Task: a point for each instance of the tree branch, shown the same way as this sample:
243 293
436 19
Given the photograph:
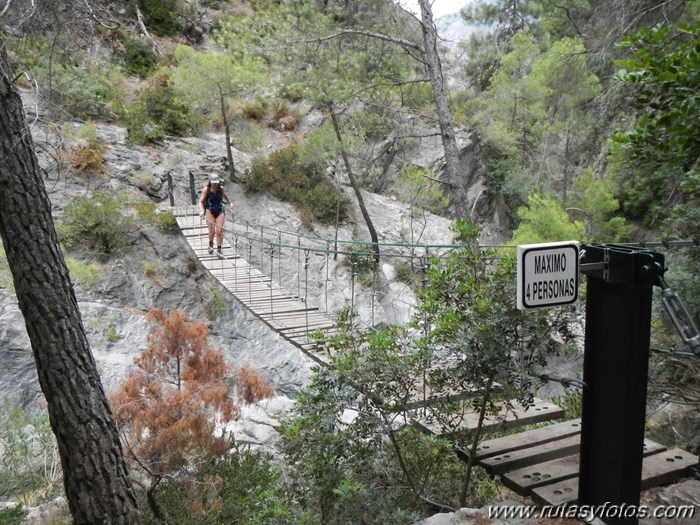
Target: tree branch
406 44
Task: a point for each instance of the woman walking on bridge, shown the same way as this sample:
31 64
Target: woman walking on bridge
211 207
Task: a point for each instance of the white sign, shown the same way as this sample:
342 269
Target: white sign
547 274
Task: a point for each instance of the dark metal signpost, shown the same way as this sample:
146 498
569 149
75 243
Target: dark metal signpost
615 363
615 368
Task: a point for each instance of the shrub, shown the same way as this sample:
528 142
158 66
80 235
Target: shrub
83 274
415 186
253 111
301 182
240 487
139 126
217 305
571 402
405 273
89 154
139 58
79 93
166 222
13 515
283 117
96 222
111 334
374 126
160 16
146 211
166 107
30 467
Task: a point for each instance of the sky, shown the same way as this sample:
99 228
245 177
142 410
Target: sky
440 7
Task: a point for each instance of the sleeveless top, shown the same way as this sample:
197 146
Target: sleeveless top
214 201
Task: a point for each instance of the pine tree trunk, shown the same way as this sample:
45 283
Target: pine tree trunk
96 479
447 130
356 188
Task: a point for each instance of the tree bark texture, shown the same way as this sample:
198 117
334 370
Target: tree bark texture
355 187
444 115
96 480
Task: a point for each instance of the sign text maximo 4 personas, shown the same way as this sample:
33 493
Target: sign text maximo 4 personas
547 274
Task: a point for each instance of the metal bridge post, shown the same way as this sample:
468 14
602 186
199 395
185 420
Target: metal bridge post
615 368
171 191
193 191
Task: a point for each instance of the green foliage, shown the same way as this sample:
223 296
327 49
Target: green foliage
141 129
417 187
86 275
217 305
146 211
163 220
242 487
79 93
209 80
159 110
30 468
664 70
111 334
373 124
166 223
361 261
13 515
167 106
342 464
595 198
571 401
160 16
139 57
406 273
511 115
660 154
96 222
343 441
544 220
298 180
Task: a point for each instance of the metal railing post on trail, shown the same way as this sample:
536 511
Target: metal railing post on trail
298 267
272 266
353 273
279 259
306 287
171 190
615 370
250 267
193 190
262 252
328 250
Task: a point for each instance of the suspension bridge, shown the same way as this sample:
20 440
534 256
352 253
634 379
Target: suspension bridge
541 464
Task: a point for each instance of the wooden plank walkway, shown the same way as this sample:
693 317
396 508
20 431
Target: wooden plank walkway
285 314
506 418
543 464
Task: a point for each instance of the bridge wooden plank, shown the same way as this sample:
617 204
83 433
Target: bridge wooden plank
524 479
506 418
300 318
522 440
305 328
529 456
657 469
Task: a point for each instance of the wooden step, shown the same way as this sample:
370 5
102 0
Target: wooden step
507 418
538 436
524 479
657 469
